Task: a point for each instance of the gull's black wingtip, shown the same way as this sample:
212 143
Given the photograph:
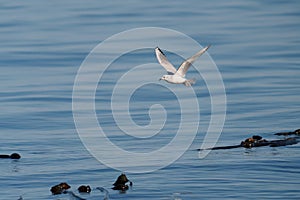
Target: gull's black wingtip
157 48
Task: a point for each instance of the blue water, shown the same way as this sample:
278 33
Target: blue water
255 45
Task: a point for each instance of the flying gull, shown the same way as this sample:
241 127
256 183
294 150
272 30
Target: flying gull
177 76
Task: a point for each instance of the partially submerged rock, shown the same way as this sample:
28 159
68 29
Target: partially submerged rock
122 179
254 141
121 187
60 188
84 189
120 183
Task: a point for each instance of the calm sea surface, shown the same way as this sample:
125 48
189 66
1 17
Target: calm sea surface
255 44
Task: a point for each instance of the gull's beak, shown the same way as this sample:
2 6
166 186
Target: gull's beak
159 79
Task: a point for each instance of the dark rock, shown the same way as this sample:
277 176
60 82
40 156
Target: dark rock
15 156
256 137
84 189
121 180
60 188
120 183
254 141
121 187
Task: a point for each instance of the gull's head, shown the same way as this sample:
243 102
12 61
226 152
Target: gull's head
163 78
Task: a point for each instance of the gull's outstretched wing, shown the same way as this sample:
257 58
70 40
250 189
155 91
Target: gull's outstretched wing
187 63
162 59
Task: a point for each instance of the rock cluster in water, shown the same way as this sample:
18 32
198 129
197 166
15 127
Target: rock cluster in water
119 184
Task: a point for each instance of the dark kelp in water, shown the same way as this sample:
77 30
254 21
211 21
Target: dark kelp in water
258 141
296 132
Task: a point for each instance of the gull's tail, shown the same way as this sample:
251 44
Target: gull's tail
189 82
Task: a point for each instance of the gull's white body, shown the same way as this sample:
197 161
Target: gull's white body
174 79
177 76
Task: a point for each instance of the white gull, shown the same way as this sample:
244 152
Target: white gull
177 76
